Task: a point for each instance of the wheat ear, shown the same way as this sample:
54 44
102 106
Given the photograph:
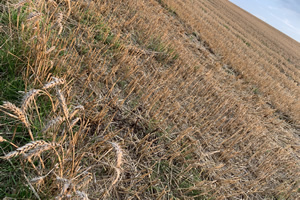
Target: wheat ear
73 122
50 50
37 150
18 113
76 110
63 104
30 148
33 16
28 98
55 82
53 123
119 153
21 3
58 23
117 167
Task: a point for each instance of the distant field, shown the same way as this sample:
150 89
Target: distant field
154 99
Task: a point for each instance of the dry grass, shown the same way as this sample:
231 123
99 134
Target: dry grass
152 102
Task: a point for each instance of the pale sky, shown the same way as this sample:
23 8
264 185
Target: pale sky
284 15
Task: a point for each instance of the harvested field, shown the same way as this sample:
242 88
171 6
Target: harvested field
156 99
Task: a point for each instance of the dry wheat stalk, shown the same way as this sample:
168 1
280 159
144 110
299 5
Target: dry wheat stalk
74 122
117 167
18 5
53 123
60 29
82 195
28 98
119 153
55 82
33 16
52 3
33 147
38 180
76 109
85 180
18 113
58 23
63 104
37 150
69 5
4 140
50 50
67 187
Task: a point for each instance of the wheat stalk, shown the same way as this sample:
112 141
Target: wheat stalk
53 123
28 98
58 23
76 110
4 140
33 16
18 5
55 82
84 180
74 122
52 3
63 104
37 150
82 195
117 167
34 146
119 153
18 113
50 50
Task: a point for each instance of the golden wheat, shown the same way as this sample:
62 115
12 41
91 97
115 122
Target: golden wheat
28 98
117 167
191 126
30 149
50 50
63 104
55 82
52 124
33 17
19 4
75 111
18 113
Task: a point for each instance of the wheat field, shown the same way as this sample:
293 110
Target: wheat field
150 99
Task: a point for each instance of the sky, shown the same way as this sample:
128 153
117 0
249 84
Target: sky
283 15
